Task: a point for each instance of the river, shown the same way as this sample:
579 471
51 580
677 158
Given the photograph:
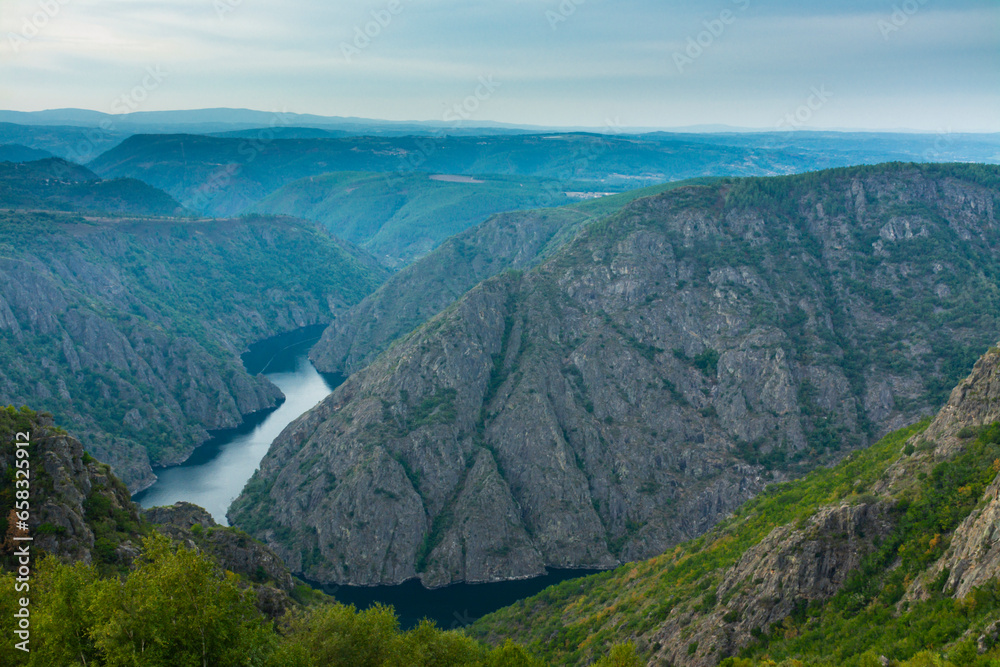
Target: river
451 607
218 470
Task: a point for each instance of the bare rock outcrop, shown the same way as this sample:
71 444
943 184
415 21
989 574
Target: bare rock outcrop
655 373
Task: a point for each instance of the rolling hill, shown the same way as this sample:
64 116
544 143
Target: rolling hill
223 176
53 184
18 153
401 217
77 144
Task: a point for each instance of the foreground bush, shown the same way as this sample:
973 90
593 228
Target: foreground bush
176 608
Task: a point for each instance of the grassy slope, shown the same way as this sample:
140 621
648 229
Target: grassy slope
878 611
400 217
567 622
868 616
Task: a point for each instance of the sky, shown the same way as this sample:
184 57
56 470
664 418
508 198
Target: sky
929 65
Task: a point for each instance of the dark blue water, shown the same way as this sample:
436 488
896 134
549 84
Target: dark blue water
217 471
451 607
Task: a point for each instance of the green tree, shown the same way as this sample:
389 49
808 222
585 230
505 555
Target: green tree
8 606
338 635
177 609
62 625
427 646
926 659
622 655
511 655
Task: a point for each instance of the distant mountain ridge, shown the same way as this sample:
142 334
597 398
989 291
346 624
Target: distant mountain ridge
257 118
18 153
227 119
223 176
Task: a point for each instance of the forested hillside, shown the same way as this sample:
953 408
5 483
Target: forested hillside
515 240
224 176
56 185
130 330
19 153
401 217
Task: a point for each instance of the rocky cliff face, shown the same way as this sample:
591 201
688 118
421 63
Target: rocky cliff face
415 294
81 512
810 563
791 566
70 491
654 374
518 240
232 549
719 595
130 331
973 556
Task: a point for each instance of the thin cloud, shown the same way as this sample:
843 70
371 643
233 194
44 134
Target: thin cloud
596 59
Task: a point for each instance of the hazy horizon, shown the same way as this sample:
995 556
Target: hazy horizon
709 128
899 65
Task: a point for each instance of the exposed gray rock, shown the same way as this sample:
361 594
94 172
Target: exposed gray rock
973 557
654 374
65 485
791 566
517 240
232 549
81 512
